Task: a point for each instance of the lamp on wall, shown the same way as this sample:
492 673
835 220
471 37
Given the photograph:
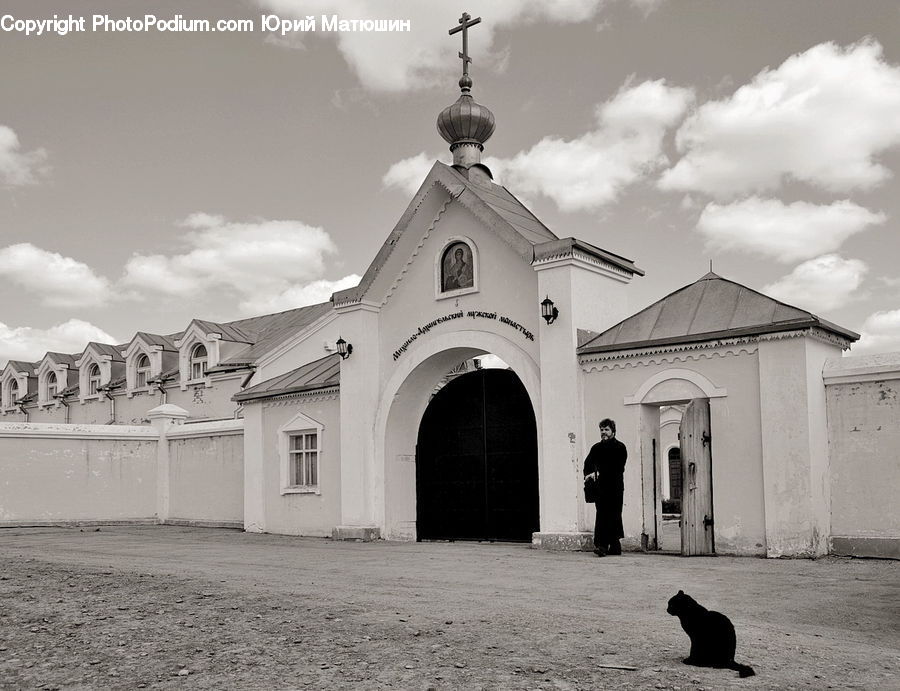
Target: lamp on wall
549 311
343 348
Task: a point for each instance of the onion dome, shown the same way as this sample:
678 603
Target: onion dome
466 122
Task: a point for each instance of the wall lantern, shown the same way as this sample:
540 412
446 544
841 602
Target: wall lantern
549 311
343 348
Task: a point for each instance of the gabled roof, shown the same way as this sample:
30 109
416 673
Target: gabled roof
114 352
22 366
709 309
165 342
319 374
228 331
493 204
272 329
60 358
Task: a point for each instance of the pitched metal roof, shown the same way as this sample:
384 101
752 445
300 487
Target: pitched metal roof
166 342
113 351
22 366
319 374
228 330
272 329
708 309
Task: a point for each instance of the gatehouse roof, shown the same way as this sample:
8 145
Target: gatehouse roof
711 308
318 374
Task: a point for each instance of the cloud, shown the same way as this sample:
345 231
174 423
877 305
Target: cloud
879 333
821 117
425 56
18 167
821 284
785 232
260 263
592 170
298 295
407 175
29 344
59 281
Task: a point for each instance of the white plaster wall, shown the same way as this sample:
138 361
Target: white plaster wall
206 402
864 440
738 500
302 514
206 478
54 478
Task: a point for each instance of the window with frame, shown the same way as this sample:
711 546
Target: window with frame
303 459
142 372
12 393
52 386
199 360
94 380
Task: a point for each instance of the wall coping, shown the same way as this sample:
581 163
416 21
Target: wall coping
861 368
216 428
58 430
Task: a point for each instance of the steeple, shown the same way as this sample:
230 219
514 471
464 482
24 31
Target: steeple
466 125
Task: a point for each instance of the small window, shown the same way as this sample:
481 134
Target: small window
142 372
12 393
303 461
52 386
94 380
457 270
199 358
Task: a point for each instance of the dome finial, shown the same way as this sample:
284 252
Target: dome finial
466 125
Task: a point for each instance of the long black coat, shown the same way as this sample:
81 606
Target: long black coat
607 458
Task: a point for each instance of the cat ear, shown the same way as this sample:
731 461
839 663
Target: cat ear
681 592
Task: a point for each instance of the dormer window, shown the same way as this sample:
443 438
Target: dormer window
142 372
199 360
12 393
52 386
94 380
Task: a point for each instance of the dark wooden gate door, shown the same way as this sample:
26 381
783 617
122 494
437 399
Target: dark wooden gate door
476 461
696 498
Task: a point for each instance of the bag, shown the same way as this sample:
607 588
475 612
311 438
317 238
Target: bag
591 490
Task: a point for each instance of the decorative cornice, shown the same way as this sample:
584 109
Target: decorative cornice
572 256
329 394
441 211
599 362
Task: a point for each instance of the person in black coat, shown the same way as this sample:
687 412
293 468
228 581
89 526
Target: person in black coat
605 465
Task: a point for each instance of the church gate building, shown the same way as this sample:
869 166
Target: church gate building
454 393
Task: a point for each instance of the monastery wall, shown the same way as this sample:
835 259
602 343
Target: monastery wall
54 473
863 404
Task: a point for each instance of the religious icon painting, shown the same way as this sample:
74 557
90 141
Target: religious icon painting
456 267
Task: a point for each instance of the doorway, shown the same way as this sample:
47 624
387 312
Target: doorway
476 461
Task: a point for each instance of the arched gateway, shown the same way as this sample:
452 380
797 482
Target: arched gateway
476 461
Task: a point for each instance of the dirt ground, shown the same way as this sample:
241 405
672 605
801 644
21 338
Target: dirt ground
169 607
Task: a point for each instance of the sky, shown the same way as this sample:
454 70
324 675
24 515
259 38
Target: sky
151 177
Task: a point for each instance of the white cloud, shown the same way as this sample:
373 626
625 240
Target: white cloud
407 175
29 344
786 232
18 167
822 117
425 56
59 281
820 284
298 296
880 333
592 170
260 263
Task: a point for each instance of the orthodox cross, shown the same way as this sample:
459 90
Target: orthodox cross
464 23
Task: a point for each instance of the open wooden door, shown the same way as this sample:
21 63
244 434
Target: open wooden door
696 460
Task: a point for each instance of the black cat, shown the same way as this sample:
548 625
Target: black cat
711 633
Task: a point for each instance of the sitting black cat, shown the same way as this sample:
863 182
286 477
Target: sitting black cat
711 633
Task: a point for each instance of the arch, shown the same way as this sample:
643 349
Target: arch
404 400
198 362
93 379
691 377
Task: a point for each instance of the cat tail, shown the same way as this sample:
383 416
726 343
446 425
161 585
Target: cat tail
742 670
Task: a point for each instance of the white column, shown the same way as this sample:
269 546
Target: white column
254 469
360 380
162 418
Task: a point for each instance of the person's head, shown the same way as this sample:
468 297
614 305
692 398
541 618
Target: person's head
607 429
459 254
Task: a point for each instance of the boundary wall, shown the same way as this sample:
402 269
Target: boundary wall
166 472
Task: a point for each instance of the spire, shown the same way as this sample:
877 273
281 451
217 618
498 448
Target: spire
466 125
